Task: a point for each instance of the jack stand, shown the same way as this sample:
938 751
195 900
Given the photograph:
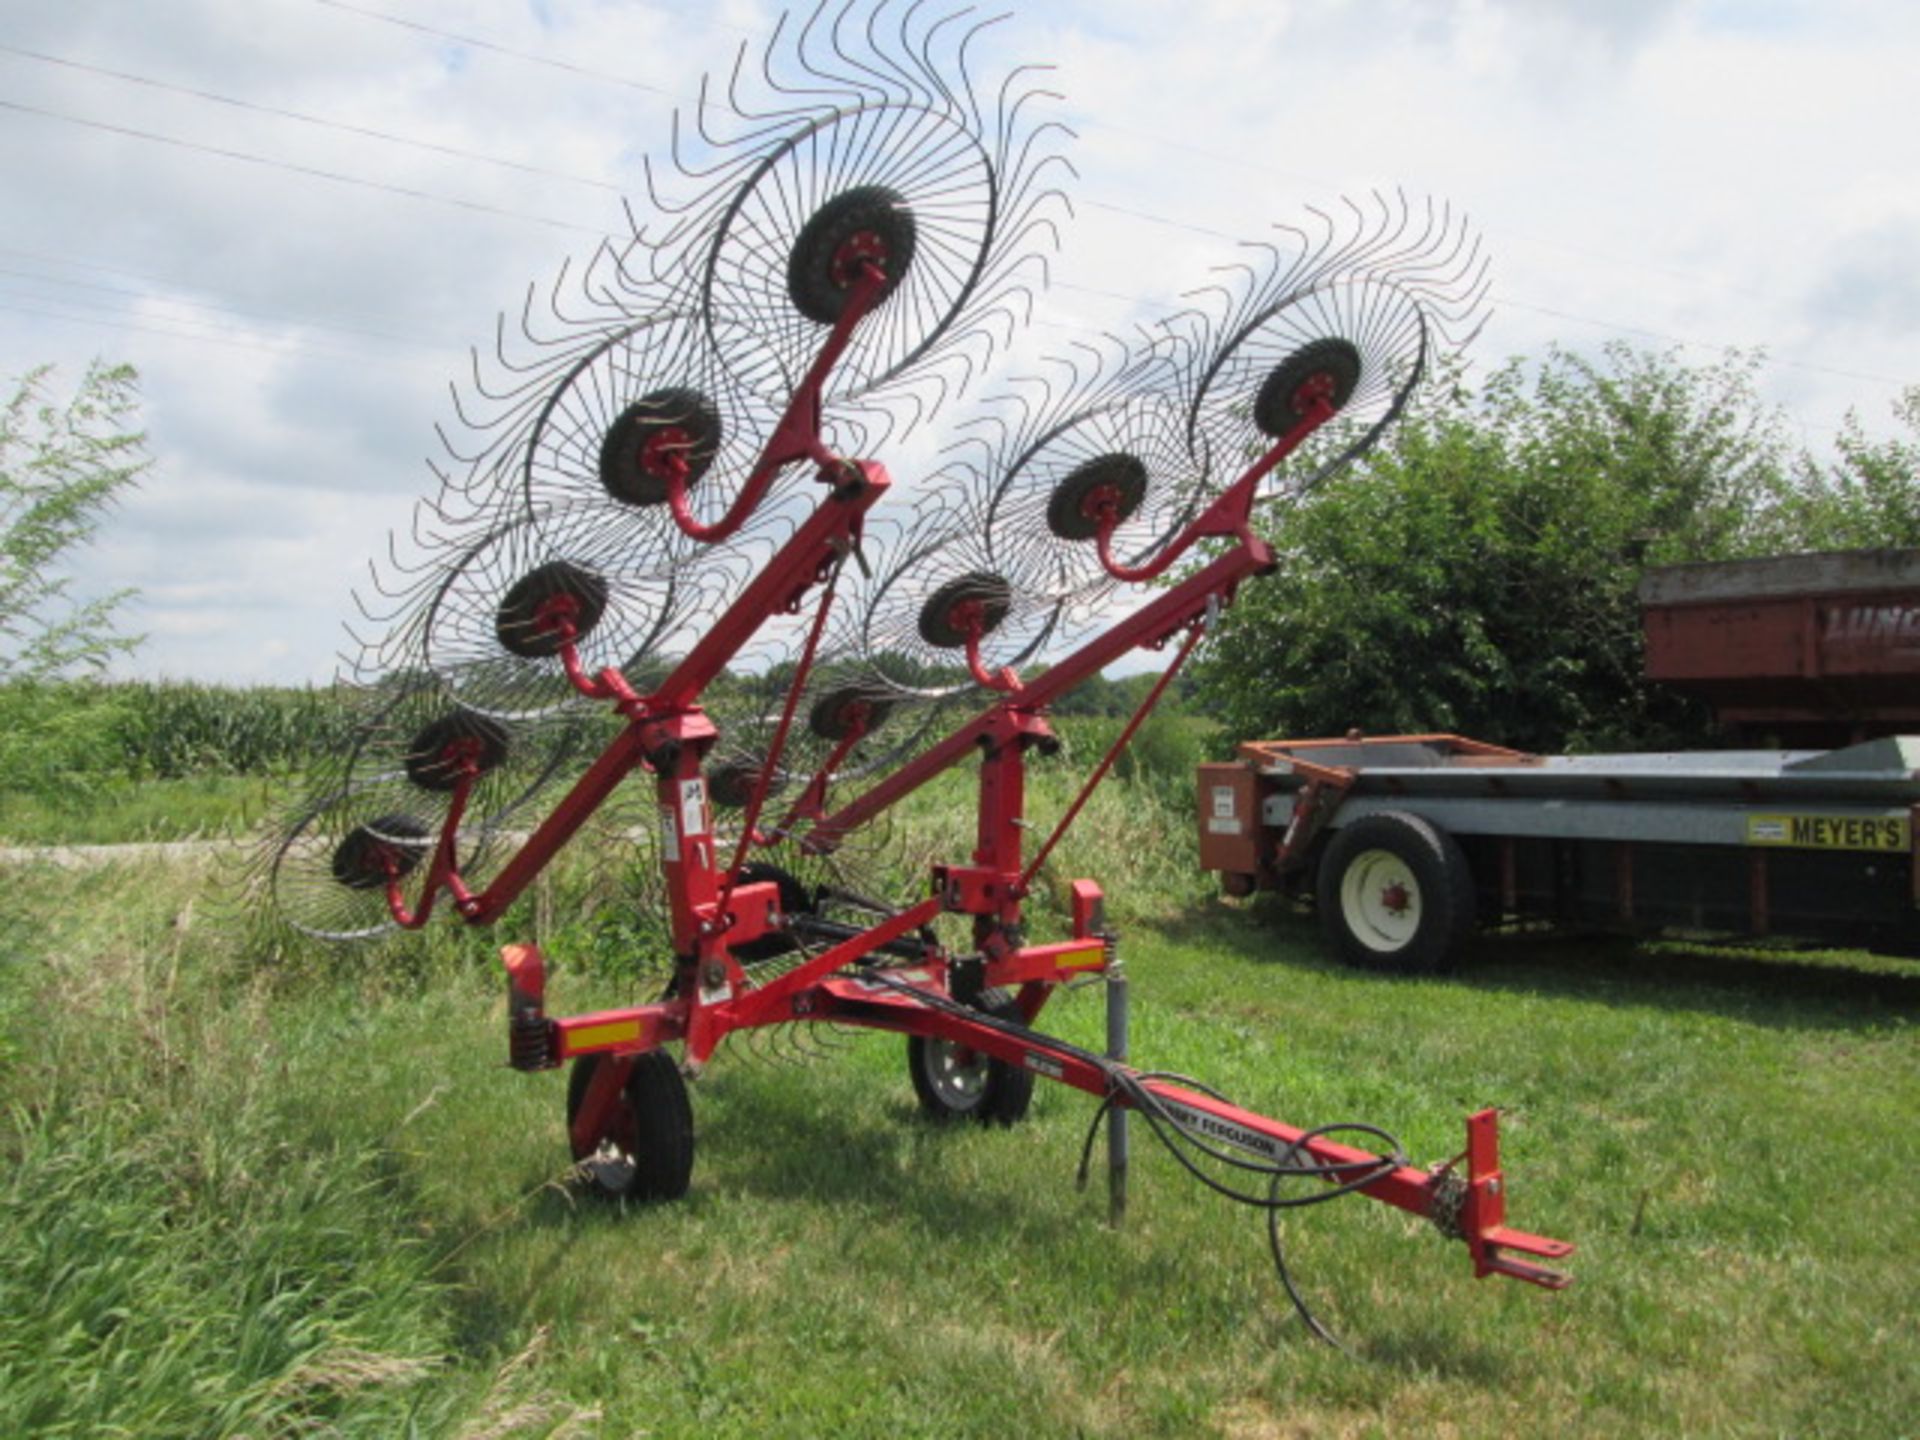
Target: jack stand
1116 1117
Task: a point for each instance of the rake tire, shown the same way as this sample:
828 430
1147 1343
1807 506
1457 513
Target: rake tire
953 1084
647 1152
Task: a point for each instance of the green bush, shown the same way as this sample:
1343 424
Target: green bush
1478 572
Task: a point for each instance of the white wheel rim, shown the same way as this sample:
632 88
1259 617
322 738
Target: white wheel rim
611 1168
1380 901
957 1074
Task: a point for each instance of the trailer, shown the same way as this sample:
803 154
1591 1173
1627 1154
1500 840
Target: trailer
1406 843
1813 650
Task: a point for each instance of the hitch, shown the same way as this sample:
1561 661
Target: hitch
1483 1212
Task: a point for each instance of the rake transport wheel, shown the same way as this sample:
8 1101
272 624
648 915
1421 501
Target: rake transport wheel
1394 893
647 1150
953 1082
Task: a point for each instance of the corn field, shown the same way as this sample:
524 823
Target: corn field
73 732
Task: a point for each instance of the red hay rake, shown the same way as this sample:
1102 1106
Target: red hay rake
649 513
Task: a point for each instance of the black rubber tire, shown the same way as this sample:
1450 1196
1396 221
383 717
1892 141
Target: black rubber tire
811 283
623 473
514 624
652 1128
1004 1096
1422 934
358 860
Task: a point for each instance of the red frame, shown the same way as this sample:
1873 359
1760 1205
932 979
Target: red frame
668 734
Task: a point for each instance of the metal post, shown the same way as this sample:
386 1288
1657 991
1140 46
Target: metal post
1116 1117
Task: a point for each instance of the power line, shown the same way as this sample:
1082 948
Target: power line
490 46
291 167
344 127
1500 302
1510 304
1080 120
1240 161
201 337
171 283
484 208
120 291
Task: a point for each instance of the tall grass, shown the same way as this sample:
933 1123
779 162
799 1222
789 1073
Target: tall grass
287 1192
267 1187
191 1251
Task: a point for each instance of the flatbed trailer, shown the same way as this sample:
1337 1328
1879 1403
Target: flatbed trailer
1407 842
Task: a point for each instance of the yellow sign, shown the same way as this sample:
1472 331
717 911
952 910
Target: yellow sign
1830 832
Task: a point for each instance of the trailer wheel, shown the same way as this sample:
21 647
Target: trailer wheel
955 1083
1394 893
647 1150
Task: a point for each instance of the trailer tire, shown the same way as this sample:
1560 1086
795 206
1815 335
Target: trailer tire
952 1083
647 1152
1395 893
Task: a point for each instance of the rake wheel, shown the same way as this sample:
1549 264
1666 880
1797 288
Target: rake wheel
493 626
1368 336
454 747
542 606
1114 482
836 714
901 184
1333 366
383 849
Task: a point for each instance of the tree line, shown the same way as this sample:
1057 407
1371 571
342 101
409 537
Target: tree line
1477 571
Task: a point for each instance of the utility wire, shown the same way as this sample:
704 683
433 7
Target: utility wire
315 171
321 122
492 47
135 328
148 295
1240 161
194 287
1161 304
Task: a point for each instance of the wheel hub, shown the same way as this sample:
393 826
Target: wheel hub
1380 901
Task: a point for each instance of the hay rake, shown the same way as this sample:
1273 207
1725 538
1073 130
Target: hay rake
656 523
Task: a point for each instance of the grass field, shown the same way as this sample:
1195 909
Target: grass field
266 1190
118 810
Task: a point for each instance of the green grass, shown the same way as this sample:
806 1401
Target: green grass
293 1191
118 811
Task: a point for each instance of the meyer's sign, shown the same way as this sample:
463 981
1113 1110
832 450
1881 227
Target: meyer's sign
1830 832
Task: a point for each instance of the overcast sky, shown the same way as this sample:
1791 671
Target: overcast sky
1740 173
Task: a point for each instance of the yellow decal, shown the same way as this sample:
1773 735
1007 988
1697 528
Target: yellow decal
608 1032
1830 832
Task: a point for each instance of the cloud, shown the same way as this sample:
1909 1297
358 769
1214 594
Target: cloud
1872 284
1716 172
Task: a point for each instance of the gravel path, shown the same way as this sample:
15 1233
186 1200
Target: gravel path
81 857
